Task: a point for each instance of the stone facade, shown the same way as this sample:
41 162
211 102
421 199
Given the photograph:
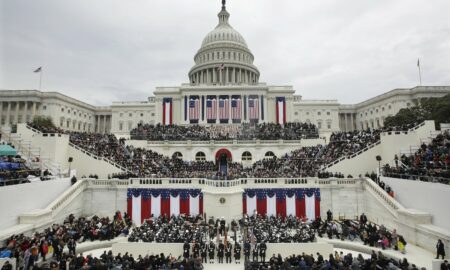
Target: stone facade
223 88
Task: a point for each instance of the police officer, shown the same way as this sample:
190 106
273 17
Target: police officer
247 248
262 251
220 252
237 253
186 248
211 251
228 251
203 252
255 253
196 250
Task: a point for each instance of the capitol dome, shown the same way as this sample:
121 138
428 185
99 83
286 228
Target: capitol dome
224 33
223 57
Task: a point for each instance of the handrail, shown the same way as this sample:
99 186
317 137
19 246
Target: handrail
243 182
28 151
382 194
233 141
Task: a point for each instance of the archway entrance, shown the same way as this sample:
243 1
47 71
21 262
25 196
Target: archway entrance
223 157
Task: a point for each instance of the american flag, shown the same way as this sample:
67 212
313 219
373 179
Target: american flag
223 108
211 109
236 108
253 108
194 109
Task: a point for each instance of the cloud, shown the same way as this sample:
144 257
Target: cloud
110 50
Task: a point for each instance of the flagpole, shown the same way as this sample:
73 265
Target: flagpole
420 73
40 80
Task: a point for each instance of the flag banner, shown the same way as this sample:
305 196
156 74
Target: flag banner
211 108
298 202
39 69
236 108
253 108
145 203
136 212
224 110
281 110
194 109
167 111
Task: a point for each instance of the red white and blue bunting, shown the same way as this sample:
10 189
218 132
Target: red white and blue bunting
298 202
143 203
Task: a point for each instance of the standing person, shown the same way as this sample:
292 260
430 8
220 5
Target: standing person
72 245
204 252
329 215
262 251
220 252
247 248
255 253
211 251
196 250
44 249
186 248
237 253
440 249
228 250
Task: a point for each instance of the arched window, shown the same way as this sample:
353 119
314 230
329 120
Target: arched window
246 156
177 155
200 156
269 155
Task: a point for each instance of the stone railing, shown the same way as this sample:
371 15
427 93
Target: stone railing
67 196
46 134
31 153
228 142
241 182
381 194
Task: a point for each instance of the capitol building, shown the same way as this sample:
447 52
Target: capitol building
342 186
223 88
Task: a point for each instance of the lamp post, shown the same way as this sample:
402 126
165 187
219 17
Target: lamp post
379 165
70 164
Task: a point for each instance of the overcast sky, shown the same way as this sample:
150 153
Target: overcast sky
101 51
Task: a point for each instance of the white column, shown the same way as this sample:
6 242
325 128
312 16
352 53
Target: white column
227 75
33 113
25 112
345 121
266 109
16 114
8 113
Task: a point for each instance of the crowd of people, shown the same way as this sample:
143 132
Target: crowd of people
278 230
27 250
302 162
14 170
174 229
264 131
334 261
368 233
430 163
126 261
